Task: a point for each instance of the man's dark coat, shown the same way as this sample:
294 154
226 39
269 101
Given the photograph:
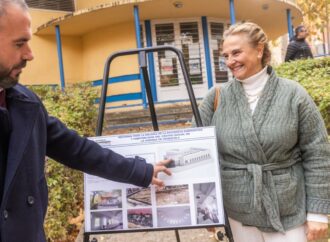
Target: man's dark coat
36 135
298 49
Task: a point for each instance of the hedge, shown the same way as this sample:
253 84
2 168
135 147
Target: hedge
76 108
314 76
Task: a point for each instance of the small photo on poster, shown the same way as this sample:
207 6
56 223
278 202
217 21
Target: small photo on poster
106 220
138 197
105 199
173 216
206 203
172 195
139 218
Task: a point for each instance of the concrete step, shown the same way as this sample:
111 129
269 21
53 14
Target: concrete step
169 114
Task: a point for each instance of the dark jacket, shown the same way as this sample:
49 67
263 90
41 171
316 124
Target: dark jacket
35 135
298 49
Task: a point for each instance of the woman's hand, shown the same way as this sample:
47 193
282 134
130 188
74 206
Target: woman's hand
160 167
316 230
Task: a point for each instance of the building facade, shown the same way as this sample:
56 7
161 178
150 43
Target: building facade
72 40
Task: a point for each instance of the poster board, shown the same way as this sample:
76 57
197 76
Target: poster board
191 196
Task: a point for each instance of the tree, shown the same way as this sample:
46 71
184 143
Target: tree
315 14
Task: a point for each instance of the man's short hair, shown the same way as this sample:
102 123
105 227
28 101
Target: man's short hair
4 3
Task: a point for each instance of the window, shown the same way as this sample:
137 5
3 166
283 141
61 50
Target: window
219 65
191 50
185 36
167 62
62 5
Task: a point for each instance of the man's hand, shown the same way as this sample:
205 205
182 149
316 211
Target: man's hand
316 230
160 167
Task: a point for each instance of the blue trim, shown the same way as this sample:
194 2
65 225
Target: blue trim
289 21
117 79
207 52
59 54
232 12
151 62
122 97
139 45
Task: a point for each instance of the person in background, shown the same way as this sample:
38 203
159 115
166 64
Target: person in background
28 134
298 48
273 146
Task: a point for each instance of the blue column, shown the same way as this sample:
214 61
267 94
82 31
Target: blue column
139 45
232 12
207 52
288 15
59 54
151 62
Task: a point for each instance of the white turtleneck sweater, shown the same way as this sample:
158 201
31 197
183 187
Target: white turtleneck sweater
253 87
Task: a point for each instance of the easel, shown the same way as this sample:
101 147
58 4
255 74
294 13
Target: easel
142 55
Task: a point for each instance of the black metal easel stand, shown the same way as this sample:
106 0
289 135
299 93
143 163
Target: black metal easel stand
142 54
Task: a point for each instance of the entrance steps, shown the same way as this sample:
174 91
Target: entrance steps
167 114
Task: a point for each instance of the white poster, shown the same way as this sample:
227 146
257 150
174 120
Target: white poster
166 66
222 64
191 196
194 67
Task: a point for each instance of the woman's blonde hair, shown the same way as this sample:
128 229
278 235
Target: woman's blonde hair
256 36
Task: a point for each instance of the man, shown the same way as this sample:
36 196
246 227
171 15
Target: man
298 48
28 134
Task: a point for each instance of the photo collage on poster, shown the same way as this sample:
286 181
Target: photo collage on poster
190 197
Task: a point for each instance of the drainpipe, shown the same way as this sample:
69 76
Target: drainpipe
59 54
139 45
232 12
289 21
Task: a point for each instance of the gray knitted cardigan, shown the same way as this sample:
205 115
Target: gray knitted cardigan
275 164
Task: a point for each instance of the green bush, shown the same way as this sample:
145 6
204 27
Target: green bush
76 108
314 76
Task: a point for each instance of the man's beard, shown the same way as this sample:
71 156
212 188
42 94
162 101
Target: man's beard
6 81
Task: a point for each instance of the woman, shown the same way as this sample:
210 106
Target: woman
298 48
273 145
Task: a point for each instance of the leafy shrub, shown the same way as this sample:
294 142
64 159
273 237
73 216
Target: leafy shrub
76 108
314 75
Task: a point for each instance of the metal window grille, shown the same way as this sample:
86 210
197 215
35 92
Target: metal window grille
61 5
220 68
190 45
167 62
185 36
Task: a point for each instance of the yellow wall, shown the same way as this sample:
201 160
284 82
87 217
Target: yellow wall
83 56
44 69
98 45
